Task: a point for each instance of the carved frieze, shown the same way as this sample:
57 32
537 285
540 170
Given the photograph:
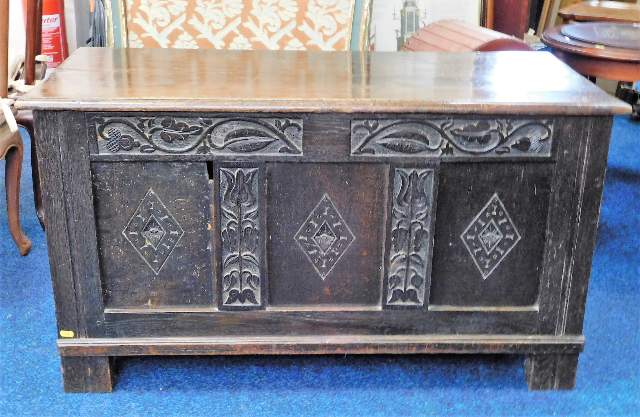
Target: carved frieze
198 135
452 137
241 235
411 237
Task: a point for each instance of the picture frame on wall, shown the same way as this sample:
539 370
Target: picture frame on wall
393 22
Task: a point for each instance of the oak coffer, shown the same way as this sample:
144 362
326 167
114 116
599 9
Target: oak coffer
224 203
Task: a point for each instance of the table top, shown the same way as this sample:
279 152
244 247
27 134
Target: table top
556 39
94 79
611 11
617 35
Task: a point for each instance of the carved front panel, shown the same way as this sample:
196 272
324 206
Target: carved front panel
176 135
241 237
490 233
327 237
451 137
411 234
154 233
325 234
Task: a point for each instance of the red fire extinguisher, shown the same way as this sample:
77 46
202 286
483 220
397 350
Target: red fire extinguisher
54 39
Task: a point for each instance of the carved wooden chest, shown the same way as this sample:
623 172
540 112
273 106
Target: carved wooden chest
307 203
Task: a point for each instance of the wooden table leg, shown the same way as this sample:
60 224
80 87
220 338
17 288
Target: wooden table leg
551 371
87 374
13 172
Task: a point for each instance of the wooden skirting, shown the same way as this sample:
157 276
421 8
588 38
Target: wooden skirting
311 345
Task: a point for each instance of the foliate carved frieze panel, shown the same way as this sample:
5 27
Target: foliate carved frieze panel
241 236
410 252
452 137
198 135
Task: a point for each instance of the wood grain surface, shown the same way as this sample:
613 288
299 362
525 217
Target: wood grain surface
159 79
306 345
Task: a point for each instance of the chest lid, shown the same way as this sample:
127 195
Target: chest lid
297 81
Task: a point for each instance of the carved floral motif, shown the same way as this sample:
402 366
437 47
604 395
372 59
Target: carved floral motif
240 234
411 237
196 135
452 137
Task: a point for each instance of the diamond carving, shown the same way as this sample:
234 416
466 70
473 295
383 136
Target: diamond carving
324 236
153 231
490 236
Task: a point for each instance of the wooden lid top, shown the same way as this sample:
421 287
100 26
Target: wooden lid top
209 80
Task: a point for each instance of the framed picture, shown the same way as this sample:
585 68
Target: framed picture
393 22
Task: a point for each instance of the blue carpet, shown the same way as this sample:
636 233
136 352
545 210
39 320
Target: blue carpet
608 376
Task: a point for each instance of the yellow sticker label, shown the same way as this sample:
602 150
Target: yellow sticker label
67 333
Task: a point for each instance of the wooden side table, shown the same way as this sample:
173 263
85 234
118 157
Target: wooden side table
593 54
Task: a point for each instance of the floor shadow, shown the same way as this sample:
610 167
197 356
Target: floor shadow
626 175
329 372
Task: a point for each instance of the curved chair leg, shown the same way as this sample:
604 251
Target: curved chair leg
13 170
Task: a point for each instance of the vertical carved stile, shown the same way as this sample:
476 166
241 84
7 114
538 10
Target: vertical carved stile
241 232
409 260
